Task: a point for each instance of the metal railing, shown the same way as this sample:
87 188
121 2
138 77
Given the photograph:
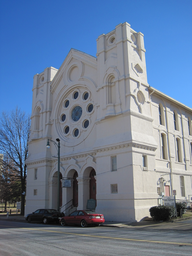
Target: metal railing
67 207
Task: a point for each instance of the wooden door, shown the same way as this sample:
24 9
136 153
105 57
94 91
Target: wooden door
167 190
92 185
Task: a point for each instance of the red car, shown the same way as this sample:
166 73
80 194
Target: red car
82 218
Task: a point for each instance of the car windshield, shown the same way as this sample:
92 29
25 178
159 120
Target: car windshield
51 210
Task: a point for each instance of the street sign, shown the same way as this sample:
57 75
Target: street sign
18 205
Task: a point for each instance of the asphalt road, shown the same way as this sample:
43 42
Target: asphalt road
20 238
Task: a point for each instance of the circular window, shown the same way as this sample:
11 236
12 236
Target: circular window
112 40
76 132
76 113
63 117
85 95
75 95
133 38
90 108
85 123
66 130
66 104
140 97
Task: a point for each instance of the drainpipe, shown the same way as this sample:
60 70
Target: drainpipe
170 162
183 142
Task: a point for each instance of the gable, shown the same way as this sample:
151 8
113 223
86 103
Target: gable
72 69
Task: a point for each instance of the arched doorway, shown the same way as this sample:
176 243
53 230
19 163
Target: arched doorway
92 187
75 189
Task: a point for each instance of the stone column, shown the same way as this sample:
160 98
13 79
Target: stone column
86 192
80 193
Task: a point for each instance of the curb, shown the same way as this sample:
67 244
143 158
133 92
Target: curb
141 224
145 223
13 218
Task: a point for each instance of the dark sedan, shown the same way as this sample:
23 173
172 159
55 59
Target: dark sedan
44 215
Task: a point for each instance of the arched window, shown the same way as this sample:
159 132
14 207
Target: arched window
182 185
176 124
111 91
178 150
190 126
163 146
161 115
37 119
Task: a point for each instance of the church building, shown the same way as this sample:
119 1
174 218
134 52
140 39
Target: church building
120 144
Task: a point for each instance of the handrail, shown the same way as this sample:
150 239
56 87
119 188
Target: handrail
67 206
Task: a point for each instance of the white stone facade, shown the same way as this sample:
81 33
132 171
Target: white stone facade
113 145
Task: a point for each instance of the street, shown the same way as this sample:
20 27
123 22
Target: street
21 238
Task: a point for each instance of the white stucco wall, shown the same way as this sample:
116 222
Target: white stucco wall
124 123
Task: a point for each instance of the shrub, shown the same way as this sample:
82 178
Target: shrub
161 212
180 208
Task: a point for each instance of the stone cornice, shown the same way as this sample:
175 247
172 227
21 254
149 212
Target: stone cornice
162 95
92 153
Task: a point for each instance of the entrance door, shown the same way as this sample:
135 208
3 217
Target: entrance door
167 190
92 185
75 190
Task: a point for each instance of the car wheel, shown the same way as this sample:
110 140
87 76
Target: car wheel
45 221
83 223
29 219
63 223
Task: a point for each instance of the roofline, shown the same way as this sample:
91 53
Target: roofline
153 90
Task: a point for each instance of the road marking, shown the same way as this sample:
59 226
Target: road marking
113 238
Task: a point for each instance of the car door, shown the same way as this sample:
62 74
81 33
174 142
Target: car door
41 214
79 217
72 218
35 215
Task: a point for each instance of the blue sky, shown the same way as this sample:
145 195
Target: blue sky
39 34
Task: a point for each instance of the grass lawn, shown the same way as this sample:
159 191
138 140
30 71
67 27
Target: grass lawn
10 206
188 213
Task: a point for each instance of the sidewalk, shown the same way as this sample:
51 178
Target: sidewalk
145 222
13 217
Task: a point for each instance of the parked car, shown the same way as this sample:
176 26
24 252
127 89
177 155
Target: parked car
44 215
82 218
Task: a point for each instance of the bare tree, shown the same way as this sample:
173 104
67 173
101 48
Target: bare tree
14 135
9 182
